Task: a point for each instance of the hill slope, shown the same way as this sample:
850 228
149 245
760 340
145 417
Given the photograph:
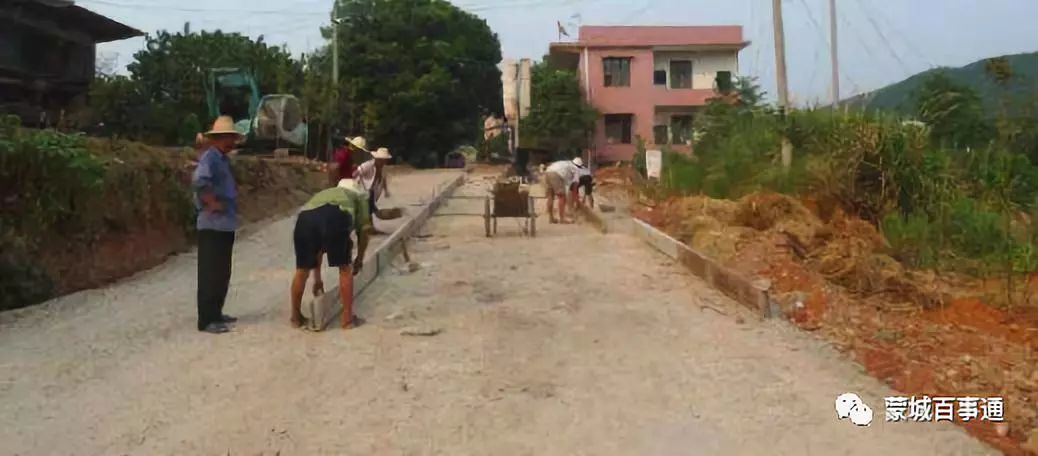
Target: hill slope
898 97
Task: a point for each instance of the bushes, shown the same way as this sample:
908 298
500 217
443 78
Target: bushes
68 190
44 176
937 207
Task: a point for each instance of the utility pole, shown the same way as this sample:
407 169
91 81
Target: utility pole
333 97
780 70
518 101
834 58
335 44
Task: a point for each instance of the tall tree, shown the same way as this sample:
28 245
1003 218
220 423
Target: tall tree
170 73
418 75
953 112
559 119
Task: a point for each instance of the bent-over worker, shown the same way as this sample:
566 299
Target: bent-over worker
559 178
372 177
324 227
586 181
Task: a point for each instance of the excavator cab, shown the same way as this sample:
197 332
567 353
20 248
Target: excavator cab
269 123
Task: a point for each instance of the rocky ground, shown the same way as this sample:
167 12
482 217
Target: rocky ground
569 343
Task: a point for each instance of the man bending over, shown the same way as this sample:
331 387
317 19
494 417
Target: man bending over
559 178
324 227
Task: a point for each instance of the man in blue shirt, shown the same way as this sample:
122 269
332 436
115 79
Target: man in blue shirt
216 200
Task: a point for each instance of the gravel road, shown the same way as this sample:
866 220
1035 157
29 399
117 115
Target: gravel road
571 343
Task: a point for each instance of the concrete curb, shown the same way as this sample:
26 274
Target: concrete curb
730 282
321 311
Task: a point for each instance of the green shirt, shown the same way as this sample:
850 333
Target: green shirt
352 202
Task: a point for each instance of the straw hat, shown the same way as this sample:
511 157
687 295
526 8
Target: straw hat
382 153
348 184
224 125
359 142
579 162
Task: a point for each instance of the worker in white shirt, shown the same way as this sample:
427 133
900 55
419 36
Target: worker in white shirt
372 178
559 178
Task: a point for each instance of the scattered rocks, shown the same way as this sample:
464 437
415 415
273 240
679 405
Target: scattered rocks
400 315
420 331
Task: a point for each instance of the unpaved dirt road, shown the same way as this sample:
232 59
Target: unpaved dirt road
572 343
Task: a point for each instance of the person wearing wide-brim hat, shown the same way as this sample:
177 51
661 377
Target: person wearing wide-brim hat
558 181
372 177
347 157
322 228
216 200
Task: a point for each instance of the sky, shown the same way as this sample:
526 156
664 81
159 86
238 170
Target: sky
880 41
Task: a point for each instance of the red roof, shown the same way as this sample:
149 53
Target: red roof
722 35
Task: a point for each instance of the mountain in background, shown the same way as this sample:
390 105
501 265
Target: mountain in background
898 97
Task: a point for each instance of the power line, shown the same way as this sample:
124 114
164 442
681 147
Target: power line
636 13
908 41
849 26
882 37
814 22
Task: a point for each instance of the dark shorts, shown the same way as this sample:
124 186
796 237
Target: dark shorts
586 182
324 229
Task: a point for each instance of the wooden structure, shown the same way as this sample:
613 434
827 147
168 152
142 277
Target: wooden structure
509 200
47 52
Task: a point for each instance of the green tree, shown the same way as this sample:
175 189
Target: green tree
722 112
953 112
559 119
169 76
417 75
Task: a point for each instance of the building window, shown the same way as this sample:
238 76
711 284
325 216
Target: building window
617 71
682 127
724 81
659 77
681 74
618 128
660 134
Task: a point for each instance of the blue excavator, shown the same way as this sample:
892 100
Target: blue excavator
270 123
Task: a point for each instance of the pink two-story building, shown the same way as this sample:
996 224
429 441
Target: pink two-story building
648 81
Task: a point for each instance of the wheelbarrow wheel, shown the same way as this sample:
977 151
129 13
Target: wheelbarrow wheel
533 218
486 216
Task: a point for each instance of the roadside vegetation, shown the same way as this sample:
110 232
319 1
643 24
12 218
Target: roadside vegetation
956 191
907 241
80 212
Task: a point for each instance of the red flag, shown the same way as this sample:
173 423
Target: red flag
562 30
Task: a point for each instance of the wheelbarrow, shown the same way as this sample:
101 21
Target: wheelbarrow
509 199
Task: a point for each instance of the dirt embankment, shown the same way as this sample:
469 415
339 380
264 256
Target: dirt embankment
144 213
922 332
